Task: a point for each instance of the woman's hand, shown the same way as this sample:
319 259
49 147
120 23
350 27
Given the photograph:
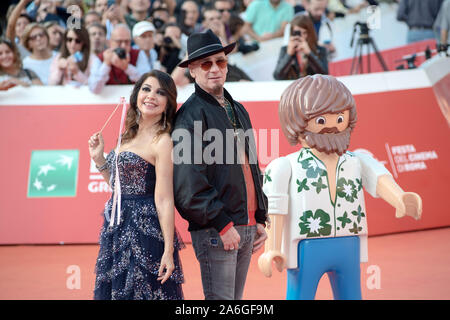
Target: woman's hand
167 265
303 47
7 84
72 65
96 148
293 44
62 63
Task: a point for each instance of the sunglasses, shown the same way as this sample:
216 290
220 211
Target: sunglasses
119 41
77 41
207 65
223 10
37 35
296 33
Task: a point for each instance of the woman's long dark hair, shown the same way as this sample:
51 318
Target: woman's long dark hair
83 35
166 122
305 22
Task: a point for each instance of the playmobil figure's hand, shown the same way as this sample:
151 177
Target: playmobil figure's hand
411 205
405 203
266 259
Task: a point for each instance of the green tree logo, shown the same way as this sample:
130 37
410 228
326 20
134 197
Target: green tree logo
53 173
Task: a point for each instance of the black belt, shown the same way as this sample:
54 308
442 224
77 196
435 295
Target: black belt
420 28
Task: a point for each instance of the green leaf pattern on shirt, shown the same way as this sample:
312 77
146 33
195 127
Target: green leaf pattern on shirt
315 225
346 189
319 185
359 214
356 229
302 185
267 177
312 168
359 184
344 219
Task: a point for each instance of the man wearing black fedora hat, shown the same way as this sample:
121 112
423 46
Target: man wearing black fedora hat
220 196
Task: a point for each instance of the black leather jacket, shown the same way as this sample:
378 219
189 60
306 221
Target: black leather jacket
212 194
288 68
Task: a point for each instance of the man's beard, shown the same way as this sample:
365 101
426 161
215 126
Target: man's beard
329 142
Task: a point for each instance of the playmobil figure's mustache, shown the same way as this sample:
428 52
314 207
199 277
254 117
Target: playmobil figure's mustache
329 130
329 142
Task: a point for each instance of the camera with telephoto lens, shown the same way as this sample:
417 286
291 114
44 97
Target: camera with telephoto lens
246 47
121 53
167 41
158 23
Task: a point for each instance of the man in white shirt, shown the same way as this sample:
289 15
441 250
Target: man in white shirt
316 198
120 64
143 36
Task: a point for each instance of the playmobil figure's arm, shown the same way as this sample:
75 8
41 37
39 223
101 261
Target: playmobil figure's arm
405 203
276 185
378 182
272 249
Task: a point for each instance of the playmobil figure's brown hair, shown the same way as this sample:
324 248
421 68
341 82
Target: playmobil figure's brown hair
309 97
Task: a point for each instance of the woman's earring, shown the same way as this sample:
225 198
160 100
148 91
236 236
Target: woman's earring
165 121
138 116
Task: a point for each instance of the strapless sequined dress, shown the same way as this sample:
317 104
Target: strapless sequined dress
130 253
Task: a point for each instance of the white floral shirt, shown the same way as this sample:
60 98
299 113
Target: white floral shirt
297 186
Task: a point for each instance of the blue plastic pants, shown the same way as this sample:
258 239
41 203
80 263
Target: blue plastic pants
339 257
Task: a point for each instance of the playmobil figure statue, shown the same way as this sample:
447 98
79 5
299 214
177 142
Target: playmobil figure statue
316 199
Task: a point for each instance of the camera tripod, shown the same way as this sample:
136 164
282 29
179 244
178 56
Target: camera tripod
364 40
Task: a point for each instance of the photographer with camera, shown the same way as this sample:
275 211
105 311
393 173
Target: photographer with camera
120 64
302 56
170 46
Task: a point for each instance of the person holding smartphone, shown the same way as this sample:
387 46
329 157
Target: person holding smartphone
73 63
302 56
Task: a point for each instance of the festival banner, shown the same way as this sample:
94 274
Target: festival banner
51 191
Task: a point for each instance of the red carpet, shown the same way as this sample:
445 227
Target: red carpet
414 265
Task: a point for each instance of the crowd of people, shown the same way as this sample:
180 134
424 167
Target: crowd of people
102 42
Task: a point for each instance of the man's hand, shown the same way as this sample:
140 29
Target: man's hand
108 54
120 63
231 239
261 237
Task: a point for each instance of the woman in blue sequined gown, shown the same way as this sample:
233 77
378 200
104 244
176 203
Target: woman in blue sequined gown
138 256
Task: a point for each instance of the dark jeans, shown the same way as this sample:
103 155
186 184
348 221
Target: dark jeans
223 272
